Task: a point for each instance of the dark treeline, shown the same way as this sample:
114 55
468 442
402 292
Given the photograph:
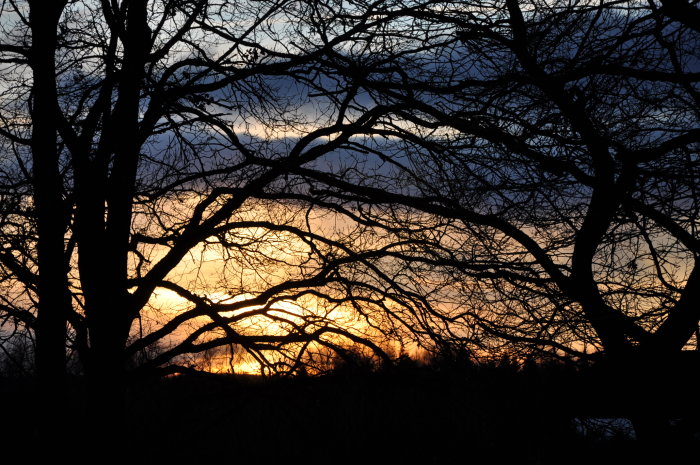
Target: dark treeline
436 411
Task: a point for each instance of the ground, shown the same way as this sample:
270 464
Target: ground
420 416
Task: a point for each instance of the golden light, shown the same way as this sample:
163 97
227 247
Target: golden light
255 259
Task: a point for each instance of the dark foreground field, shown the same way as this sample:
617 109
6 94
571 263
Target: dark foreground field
495 415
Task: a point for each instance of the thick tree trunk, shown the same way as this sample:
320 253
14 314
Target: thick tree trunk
106 403
104 245
54 298
655 391
106 378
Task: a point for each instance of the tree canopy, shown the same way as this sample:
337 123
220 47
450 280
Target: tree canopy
551 150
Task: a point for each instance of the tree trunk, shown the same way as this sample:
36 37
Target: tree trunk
53 296
104 245
655 389
106 383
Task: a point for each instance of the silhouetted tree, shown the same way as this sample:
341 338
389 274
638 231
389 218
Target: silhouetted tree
147 147
549 156
542 160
